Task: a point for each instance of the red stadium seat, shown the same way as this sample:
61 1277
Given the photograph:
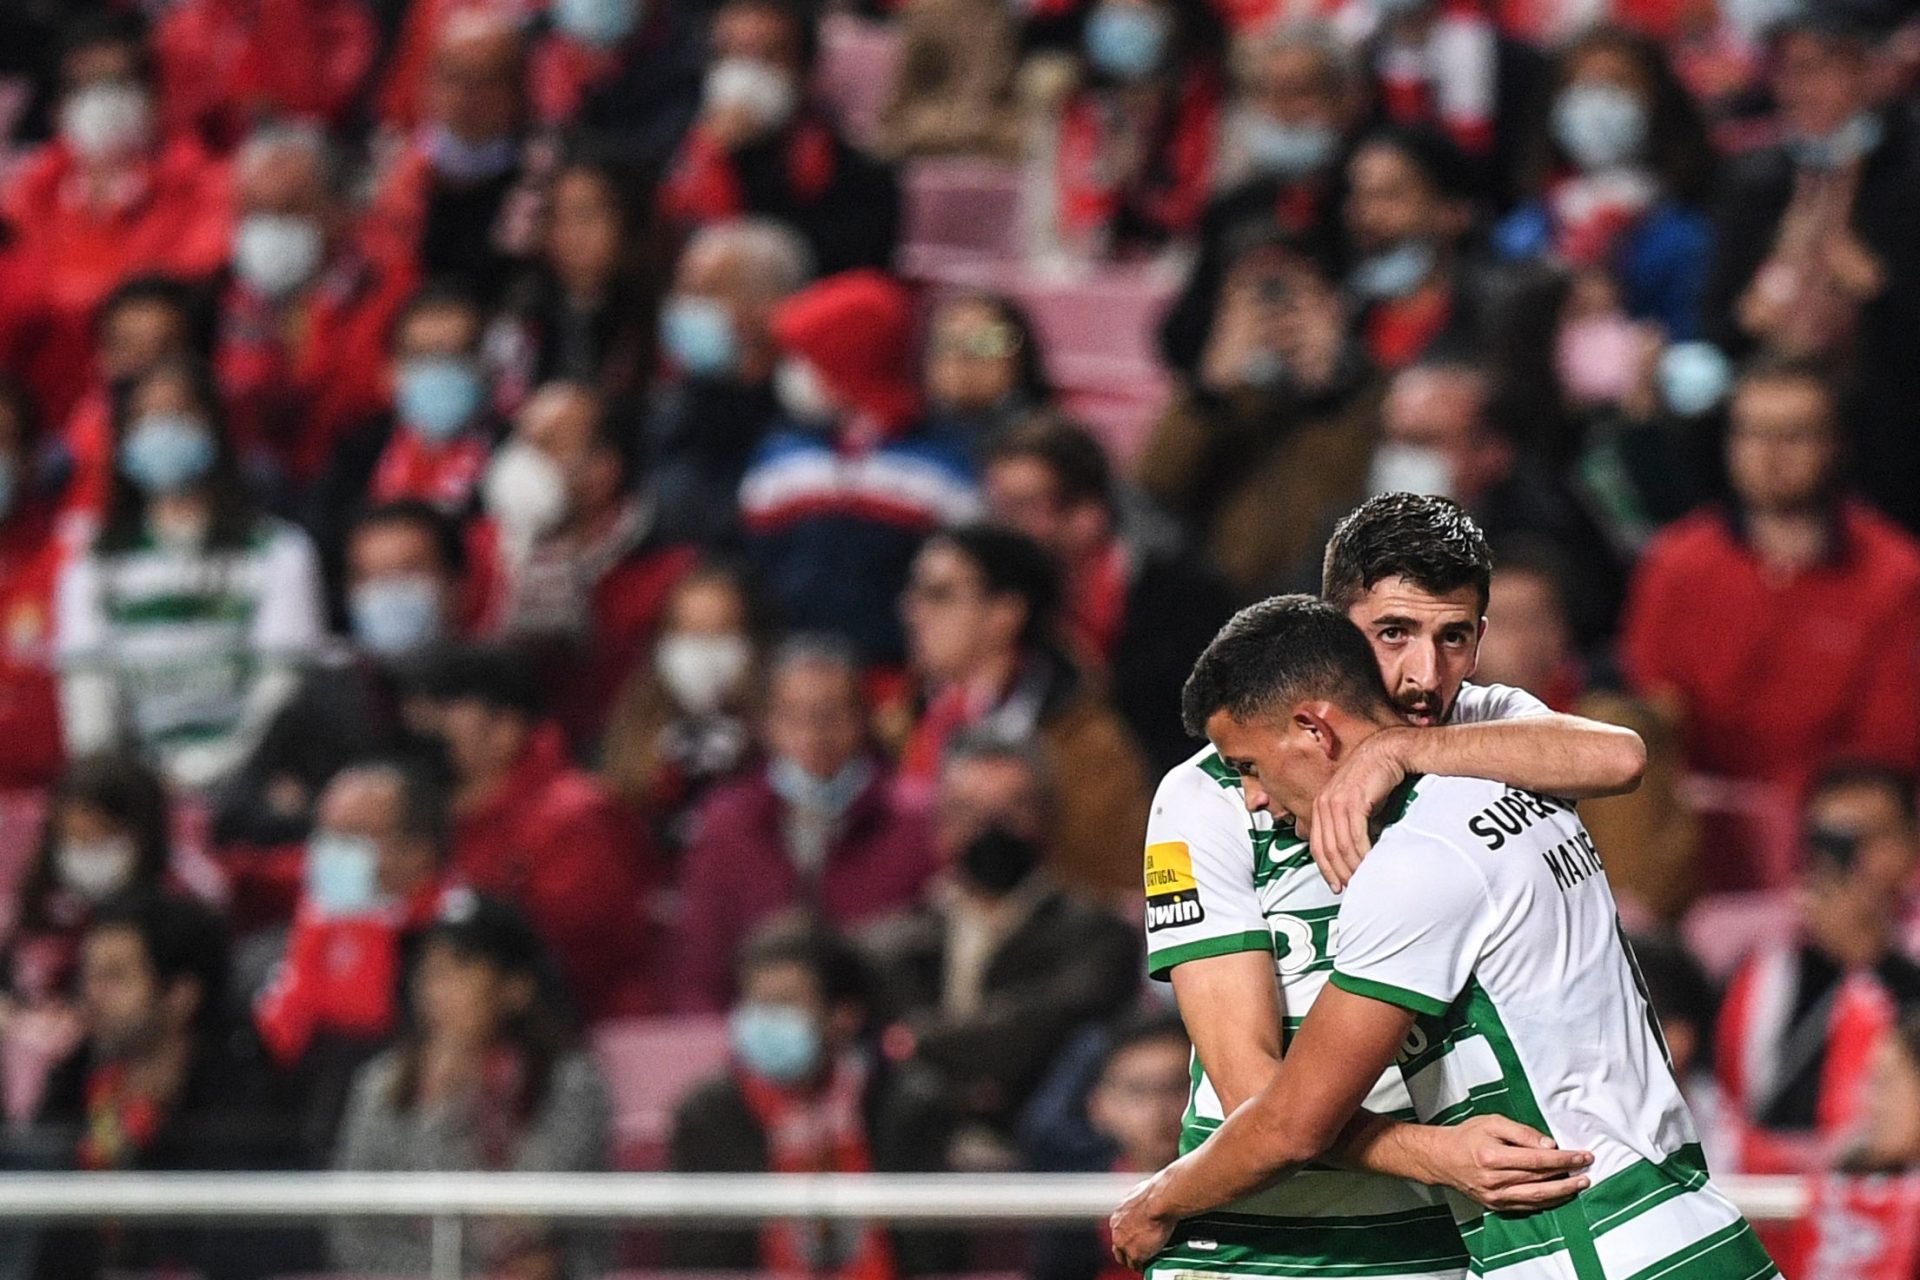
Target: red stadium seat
650 1064
960 212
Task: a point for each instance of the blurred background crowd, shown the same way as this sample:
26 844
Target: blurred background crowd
603 584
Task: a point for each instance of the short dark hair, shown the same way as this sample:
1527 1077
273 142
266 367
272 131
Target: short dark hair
806 941
1431 542
1807 370
448 543
438 295
496 676
1011 564
166 292
423 800
182 938
1847 774
1079 465
1149 1026
1278 651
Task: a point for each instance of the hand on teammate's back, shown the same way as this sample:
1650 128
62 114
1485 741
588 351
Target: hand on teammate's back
1504 1165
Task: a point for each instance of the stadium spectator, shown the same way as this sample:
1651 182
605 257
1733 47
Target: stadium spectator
110 197
984 367
995 976
981 611
106 833
580 313
304 324
162 1083
1529 638
534 831
488 1076
1134 151
1283 395
954 91
404 598
1300 97
1816 599
682 722
1814 256
1802 1015
716 329
819 826
805 1094
761 148
1137 615
1620 166
223 65
453 201
1887 1139
1683 998
431 445
576 566
33 549
837 500
1651 834
622 73
183 629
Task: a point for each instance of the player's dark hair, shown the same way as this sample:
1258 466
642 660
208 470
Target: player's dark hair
1431 542
1278 652
1081 470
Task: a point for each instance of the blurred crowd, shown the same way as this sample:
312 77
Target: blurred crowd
528 527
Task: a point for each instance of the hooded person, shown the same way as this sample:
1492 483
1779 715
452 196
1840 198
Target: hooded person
838 499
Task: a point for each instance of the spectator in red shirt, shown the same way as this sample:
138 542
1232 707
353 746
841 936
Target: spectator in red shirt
373 881
760 148
224 64
530 828
32 552
303 328
818 826
576 567
1812 649
109 197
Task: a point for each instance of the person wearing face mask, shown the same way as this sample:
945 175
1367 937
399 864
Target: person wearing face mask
35 543
954 93
760 148
184 628
221 64
992 979
625 73
806 1093
1133 156
110 197
302 328
839 497
846 846
681 724
1299 97
1620 172
1816 253
106 832
716 332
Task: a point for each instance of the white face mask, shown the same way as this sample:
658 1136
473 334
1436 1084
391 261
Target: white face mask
526 491
277 253
701 672
107 120
797 387
765 93
1410 468
95 869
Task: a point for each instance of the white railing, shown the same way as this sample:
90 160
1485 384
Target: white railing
630 1198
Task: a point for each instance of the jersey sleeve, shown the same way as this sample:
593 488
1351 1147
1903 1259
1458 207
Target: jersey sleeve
1412 924
1481 703
1201 898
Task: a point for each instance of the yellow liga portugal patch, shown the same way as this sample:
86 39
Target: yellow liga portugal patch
1173 895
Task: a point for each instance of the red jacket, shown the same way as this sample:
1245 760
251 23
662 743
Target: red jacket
31 556
736 873
553 841
226 63
1778 676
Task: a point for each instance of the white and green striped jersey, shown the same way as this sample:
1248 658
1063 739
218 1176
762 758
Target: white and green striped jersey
1486 912
1221 880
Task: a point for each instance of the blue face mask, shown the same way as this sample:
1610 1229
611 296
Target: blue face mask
168 453
1288 150
1694 377
600 23
802 790
393 617
437 396
1393 274
698 334
1599 126
776 1041
342 875
1843 146
1126 43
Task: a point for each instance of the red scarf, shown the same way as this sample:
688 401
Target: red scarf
705 187
819 1132
1097 607
120 1123
1592 213
1857 1228
1399 330
1167 188
442 475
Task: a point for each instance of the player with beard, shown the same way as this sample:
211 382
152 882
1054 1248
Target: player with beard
1242 923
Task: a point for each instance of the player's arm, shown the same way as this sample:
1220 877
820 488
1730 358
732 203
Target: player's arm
1231 1006
1557 755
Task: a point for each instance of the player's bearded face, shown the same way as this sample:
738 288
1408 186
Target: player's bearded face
1426 644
